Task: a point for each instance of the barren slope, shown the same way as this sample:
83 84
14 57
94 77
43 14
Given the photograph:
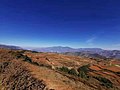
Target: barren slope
26 70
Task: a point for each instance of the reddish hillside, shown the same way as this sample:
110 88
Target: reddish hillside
24 70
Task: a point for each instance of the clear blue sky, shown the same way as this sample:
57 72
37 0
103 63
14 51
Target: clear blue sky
75 23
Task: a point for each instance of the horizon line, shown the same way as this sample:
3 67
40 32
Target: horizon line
56 46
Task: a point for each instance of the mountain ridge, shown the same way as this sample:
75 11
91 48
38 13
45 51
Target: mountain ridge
10 46
87 52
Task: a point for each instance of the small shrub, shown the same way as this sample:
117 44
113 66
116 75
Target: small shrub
82 75
83 72
72 72
118 72
35 63
84 69
27 59
64 69
105 82
22 51
34 51
16 55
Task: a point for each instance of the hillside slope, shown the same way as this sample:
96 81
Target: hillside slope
27 70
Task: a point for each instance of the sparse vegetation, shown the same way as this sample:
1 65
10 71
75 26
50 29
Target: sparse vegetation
118 72
72 72
69 71
34 51
64 69
35 63
83 71
12 71
82 75
27 59
104 81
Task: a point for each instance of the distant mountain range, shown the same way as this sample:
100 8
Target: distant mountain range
60 49
9 46
86 52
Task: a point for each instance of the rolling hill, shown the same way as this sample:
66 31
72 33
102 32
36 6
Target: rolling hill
28 70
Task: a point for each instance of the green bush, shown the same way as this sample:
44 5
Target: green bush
105 82
64 69
27 59
82 75
84 69
69 71
83 72
72 72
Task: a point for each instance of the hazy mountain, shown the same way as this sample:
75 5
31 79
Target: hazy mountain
9 47
88 52
97 54
110 53
58 49
61 49
90 49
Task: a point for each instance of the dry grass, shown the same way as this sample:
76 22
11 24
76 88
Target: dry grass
23 75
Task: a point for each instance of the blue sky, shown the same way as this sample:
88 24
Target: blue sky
75 23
